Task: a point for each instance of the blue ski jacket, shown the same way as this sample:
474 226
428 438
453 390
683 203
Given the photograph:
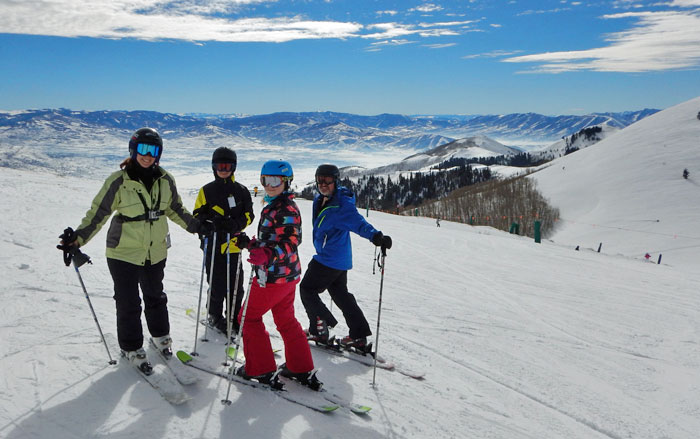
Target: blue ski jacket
332 226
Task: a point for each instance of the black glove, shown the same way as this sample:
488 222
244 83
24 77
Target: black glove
202 212
242 240
381 241
72 252
68 236
231 225
204 228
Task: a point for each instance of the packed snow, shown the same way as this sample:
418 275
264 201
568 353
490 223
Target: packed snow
517 339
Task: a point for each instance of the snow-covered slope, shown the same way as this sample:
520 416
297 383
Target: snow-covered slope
519 340
580 140
627 191
471 147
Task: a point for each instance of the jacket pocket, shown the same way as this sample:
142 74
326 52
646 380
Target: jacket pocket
114 233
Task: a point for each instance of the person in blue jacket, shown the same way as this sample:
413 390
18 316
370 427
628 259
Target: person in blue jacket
334 217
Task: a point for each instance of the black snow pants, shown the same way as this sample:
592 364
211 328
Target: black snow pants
127 279
319 278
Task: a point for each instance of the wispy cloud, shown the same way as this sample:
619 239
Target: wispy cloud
544 11
493 54
155 20
379 45
439 46
427 7
659 41
196 20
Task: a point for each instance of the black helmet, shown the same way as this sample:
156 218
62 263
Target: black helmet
328 170
223 155
147 136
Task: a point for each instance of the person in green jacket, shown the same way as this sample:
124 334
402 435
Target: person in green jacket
143 194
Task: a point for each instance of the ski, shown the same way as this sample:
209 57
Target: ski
162 380
309 400
358 409
329 396
183 374
367 359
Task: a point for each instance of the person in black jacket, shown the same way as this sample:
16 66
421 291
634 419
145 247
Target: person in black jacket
228 205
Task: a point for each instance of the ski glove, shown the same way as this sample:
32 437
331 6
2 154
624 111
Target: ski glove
203 227
381 240
260 256
242 240
231 225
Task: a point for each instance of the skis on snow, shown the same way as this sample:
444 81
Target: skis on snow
367 359
325 393
161 379
183 374
306 399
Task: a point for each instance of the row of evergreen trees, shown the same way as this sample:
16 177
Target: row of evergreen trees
387 194
521 160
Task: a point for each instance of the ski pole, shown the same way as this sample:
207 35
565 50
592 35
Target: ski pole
238 337
211 277
199 301
229 319
87 296
379 315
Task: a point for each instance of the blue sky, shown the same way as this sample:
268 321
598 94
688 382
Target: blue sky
355 56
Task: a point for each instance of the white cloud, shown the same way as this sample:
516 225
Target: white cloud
394 30
379 45
668 40
439 46
686 3
193 20
427 7
152 20
492 54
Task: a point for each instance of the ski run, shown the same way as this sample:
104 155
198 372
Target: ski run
518 340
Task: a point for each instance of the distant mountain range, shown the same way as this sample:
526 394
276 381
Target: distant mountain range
61 138
325 129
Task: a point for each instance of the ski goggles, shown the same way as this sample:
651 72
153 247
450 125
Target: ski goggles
272 180
146 149
223 167
325 181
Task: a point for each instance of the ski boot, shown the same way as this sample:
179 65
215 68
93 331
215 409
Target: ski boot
164 345
358 345
271 378
139 360
321 335
307 379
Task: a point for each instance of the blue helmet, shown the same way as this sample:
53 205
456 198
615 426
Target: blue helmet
278 167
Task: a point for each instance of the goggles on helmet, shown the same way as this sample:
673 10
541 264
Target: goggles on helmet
223 167
272 180
325 180
146 149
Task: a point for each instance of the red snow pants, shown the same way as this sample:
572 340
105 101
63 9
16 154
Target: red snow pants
259 358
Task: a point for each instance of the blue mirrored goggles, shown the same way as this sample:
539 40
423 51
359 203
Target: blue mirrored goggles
146 149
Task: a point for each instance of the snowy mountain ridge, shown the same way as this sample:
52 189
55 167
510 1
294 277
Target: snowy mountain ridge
470 147
323 129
